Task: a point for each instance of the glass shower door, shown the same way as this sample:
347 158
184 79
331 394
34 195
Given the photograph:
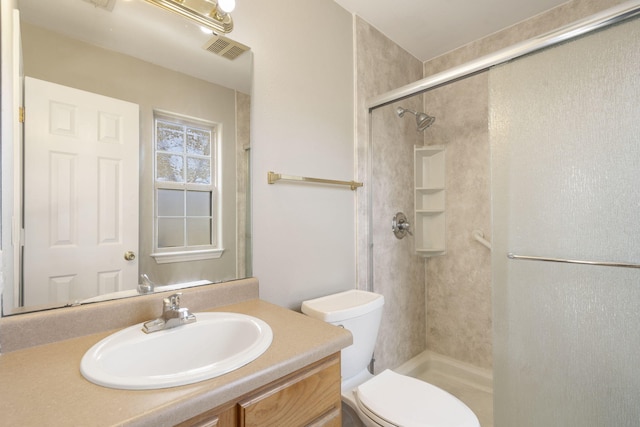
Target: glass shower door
565 148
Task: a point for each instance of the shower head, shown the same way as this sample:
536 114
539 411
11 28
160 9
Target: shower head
423 120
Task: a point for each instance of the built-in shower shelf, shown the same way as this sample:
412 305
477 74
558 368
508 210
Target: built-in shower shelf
429 225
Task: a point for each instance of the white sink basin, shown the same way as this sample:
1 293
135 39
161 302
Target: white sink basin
215 344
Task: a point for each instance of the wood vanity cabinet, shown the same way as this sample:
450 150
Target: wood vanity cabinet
308 397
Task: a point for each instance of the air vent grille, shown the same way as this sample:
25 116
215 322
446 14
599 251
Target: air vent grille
225 47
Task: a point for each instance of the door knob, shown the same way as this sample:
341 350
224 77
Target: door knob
129 255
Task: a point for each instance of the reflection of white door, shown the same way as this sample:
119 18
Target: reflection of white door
81 193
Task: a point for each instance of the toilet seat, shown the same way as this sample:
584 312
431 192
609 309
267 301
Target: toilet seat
390 399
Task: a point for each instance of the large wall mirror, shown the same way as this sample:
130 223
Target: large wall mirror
174 205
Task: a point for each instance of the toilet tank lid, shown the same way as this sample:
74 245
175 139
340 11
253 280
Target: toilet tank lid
343 305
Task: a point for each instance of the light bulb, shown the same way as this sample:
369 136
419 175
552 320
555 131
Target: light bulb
227 6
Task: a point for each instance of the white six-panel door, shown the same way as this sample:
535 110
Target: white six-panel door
81 193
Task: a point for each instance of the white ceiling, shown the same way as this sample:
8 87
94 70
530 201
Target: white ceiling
429 28
425 28
140 29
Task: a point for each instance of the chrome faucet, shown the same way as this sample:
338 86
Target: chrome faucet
172 315
146 286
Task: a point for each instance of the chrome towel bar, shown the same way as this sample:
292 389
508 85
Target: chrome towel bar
573 261
272 177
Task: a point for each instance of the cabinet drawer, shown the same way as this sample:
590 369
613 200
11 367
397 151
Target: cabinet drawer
311 397
224 416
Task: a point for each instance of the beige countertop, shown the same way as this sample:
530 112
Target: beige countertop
42 385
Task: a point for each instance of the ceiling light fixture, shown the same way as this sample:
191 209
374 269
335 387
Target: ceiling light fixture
212 14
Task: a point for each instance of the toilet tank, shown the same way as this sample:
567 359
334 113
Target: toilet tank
358 311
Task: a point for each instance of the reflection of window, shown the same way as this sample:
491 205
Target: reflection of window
186 202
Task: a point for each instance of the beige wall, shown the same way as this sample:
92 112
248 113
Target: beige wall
302 123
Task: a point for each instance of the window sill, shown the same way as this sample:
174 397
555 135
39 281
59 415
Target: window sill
182 256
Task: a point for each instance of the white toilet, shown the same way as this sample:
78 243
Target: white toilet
386 399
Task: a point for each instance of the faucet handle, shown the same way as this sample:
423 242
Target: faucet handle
172 315
172 302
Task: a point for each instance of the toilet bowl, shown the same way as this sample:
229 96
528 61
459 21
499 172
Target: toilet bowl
388 398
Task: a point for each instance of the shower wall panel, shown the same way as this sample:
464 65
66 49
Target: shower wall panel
398 273
459 282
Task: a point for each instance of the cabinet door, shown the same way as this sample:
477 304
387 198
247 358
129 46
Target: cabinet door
310 397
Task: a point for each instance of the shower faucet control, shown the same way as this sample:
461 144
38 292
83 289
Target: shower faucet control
400 225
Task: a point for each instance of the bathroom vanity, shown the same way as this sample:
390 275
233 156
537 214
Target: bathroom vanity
295 382
304 398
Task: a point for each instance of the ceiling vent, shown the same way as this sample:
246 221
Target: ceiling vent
225 47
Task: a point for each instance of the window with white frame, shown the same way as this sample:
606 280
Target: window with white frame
186 195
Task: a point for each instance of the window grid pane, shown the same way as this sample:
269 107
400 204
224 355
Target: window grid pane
198 141
183 153
172 219
198 203
170 137
171 232
198 231
198 170
170 168
170 203
185 157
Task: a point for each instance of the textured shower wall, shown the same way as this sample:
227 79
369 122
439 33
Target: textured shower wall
398 273
560 16
459 288
459 282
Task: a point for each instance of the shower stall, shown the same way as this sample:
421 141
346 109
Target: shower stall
541 153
